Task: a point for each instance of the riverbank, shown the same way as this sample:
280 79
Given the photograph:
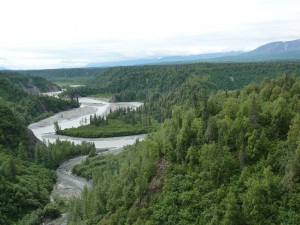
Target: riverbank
44 129
69 186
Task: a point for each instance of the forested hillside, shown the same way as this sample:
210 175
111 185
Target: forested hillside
64 73
29 83
26 175
66 76
149 82
30 106
225 158
220 156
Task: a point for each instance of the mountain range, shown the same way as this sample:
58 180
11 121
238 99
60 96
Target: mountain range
274 51
167 60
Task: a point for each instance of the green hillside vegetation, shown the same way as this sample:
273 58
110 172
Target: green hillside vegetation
228 158
142 83
52 155
11 130
26 181
30 83
24 186
26 165
25 175
31 107
64 77
65 73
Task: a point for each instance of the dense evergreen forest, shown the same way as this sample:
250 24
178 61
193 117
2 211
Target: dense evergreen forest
64 73
29 83
223 153
30 107
67 76
150 82
26 165
226 158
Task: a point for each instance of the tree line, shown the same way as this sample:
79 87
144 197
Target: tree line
149 82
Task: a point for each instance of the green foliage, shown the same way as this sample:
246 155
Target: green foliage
168 85
113 128
11 129
140 115
120 122
24 187
152 81
110 194
227 158
30 83
71 73
57 128
52 155
49 212
97 120
31 107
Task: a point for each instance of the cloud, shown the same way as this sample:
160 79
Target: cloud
65 33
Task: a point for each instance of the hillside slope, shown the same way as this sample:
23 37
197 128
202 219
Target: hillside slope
30 106
278 47
150 82
29 83
25 179
274 51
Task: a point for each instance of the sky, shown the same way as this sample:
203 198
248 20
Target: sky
39 34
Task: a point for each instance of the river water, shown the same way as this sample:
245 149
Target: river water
68 185
44 129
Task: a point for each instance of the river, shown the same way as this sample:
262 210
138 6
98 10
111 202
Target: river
68 185
44 129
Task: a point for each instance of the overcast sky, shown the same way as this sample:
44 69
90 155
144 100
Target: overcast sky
72 33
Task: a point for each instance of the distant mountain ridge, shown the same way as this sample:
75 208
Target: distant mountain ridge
274 51
165 60
279 46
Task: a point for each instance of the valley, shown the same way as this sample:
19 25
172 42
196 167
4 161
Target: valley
209 141
44 129
150 112
68 185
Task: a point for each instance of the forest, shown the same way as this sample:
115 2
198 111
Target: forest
30 83
28 106
225 149
27 165
140 83
230 157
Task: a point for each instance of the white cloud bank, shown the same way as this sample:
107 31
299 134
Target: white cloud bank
72 33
